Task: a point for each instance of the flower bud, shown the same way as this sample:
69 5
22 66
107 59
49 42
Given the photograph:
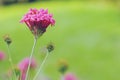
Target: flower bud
17 71
50 47
7 39
63 66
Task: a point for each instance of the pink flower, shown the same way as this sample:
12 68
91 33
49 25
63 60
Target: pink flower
2 56
23 65
70 76
38 20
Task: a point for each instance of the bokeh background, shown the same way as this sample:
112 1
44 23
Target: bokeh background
86 35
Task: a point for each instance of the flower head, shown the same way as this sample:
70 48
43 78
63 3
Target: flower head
38 20
23 65
2 56
70 76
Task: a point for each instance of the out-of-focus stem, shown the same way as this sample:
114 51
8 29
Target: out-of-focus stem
10 60
62 77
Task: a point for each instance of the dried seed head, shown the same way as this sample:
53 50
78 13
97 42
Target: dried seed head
7 39
50 47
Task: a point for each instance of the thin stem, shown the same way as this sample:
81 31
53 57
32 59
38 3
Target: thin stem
31 55
62 77
19 77
10 60
40 68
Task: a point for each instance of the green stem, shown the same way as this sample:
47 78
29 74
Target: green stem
62 77
31 55
10 60
40 68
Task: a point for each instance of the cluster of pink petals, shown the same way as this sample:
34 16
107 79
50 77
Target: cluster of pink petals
2 56
38 20
23 65
70 76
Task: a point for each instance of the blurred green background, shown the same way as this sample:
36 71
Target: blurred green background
86 35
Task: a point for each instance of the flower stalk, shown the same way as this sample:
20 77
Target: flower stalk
31 55
37 21
41 66
62 77
8 41
50 48
11 61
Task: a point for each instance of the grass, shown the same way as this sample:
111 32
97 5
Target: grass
86 34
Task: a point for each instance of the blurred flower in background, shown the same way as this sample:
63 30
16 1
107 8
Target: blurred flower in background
23 65
2 55
70 76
